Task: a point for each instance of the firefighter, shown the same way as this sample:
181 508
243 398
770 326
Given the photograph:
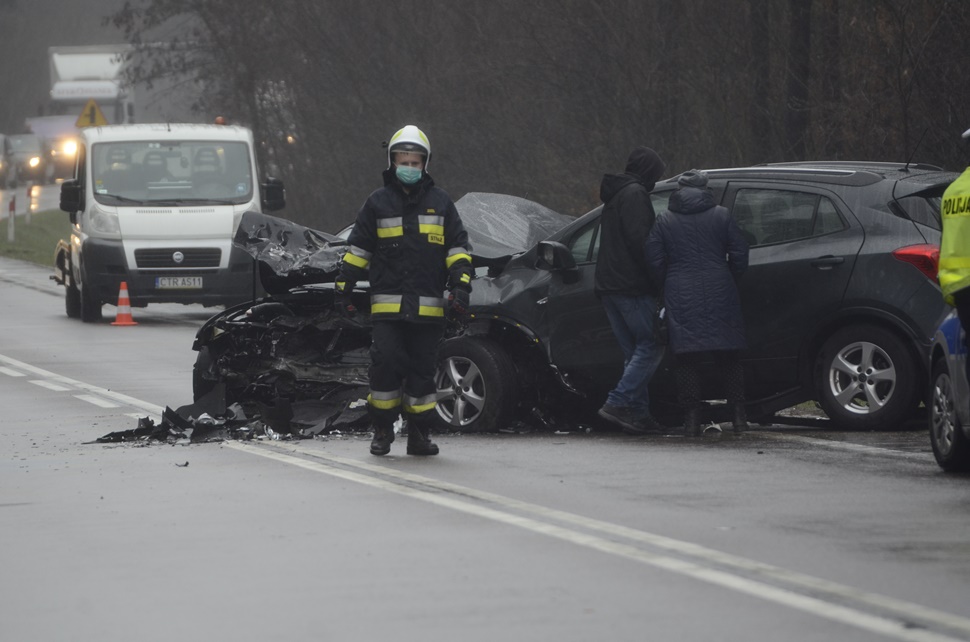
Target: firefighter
409 242
954 274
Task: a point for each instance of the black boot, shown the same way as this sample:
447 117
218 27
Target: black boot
419 439
383 437
740 422
692 422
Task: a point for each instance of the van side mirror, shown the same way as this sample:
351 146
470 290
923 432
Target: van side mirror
556 257
72 198
273 195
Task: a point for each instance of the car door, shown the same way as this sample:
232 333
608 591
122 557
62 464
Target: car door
581 341
803 246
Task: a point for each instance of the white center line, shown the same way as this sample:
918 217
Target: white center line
10 372
50 385
97 401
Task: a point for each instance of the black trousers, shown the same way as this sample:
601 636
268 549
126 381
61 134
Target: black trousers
687 372
402 369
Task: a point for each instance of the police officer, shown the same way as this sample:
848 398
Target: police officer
954 274
409 242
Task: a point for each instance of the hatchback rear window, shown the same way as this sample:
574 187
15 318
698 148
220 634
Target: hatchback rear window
922 208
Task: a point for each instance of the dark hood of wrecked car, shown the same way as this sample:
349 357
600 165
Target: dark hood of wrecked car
291 255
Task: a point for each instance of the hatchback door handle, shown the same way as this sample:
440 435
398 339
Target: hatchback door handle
827 262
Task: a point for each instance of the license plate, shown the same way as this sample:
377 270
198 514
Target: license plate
178 282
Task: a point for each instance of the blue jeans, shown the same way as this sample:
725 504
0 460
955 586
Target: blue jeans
631 318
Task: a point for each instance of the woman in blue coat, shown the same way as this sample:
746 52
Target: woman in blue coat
696 253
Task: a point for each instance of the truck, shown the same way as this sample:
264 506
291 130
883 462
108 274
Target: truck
78 76
156 206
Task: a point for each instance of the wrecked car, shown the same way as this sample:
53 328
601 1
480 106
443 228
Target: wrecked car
291 348
840 301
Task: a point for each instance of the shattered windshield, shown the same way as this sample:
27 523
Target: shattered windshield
172 172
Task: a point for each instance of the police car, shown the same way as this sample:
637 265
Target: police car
949 399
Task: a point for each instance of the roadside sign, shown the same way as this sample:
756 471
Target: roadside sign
91 116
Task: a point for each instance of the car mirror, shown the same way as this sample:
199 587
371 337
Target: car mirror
556 257
274 195
72 196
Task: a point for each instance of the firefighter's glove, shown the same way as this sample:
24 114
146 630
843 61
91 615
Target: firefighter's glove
458 302
342 299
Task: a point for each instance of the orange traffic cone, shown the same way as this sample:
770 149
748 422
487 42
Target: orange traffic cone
123 317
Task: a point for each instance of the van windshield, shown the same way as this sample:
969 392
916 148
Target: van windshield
176 172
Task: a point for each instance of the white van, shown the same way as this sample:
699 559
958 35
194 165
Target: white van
156 206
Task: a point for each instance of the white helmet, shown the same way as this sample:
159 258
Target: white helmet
409 139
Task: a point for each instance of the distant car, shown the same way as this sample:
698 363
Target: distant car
949 397
27 159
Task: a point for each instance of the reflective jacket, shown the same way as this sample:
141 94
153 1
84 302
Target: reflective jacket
954 271
411 247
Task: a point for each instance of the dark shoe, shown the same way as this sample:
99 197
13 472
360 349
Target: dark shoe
649 424
419 442
692 422
628 421
740 422
381 443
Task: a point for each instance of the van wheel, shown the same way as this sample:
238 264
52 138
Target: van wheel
477 385
72 301
90 306
866 379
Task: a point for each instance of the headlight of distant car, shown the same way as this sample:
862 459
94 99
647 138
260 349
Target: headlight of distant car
34 161
69 148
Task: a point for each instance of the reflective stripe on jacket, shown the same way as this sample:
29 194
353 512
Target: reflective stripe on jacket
954 271
408 245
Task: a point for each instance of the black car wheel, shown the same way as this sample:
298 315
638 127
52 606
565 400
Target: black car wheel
72 301
950 446
866 378
476 385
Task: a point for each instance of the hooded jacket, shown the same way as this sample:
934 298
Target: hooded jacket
625 223
686 252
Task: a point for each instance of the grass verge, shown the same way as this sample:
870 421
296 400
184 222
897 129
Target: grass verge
35 242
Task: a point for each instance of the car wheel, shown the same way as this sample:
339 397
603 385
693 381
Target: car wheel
72 301
90 306
476 384
950 445
866 378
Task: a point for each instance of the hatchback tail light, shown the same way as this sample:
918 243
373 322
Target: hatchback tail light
925 258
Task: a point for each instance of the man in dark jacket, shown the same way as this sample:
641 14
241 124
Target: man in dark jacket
410 243
624 286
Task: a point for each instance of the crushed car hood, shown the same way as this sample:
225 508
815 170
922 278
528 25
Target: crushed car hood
291 255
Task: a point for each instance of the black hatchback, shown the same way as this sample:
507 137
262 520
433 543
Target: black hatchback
840 302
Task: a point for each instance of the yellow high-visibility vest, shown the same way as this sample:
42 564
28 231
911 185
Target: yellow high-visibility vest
954 272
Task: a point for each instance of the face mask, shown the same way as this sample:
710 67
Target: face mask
408 175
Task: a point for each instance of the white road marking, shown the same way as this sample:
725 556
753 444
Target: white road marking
823 590
10 372
102 392
97 401
50 385
825 593
841 445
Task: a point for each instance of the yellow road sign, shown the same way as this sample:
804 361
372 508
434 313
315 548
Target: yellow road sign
91 116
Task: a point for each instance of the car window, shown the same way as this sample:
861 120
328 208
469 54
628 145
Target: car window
584 244
921 208
768 216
